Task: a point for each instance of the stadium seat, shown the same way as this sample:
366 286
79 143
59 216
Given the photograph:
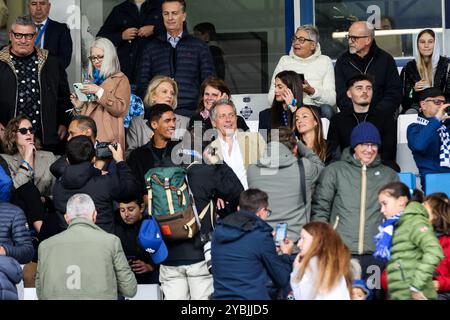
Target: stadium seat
408 178
437 182
405 158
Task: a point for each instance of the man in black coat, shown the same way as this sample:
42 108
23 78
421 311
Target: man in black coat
52 35
82 177
33 83
360 92
130 26
365 57
158 151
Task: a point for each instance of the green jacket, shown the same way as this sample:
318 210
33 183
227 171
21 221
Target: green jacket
347 196
415 253
83 262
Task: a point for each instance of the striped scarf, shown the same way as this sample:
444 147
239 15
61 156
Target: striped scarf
383 240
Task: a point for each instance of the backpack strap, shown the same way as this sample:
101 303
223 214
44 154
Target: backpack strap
202 214
169 195
148 183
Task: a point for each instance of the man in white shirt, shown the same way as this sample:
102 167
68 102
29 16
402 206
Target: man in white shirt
235 148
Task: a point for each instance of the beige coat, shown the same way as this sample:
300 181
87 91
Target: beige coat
252 147
109 111
43 179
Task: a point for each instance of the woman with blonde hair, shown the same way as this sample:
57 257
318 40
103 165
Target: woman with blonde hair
321 270
111 92
428 69
161 90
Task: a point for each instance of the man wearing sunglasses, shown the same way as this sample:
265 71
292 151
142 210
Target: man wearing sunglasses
365 57
429 138
33 83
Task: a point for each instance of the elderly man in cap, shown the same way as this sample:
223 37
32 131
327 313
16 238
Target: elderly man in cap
429 138
346 194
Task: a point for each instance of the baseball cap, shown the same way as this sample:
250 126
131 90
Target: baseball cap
151 240
430 93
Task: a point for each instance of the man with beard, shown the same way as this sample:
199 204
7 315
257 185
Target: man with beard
365 57
360 92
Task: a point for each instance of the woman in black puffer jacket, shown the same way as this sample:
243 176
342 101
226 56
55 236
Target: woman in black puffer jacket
429 69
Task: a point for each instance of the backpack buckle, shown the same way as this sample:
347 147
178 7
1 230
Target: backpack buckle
166 183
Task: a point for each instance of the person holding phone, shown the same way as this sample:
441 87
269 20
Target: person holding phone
428 69
112 93
322 267
244 256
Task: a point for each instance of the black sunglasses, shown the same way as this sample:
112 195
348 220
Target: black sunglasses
25 130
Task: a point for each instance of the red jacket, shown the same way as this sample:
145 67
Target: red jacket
443 268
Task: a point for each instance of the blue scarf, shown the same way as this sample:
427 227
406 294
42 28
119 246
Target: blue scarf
98 78
383 240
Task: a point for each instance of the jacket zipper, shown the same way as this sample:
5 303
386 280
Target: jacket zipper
365 71
336 223
362 209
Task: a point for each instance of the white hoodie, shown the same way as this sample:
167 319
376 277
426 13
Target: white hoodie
318 71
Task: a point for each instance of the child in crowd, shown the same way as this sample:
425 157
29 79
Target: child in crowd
360 291
438 207
407 241
322 267
128 223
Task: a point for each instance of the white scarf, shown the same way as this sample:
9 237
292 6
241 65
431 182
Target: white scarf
444 153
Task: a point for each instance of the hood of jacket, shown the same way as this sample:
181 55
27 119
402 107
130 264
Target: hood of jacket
311 58
413 209
277 155
11 269
238 224
76 176
347 156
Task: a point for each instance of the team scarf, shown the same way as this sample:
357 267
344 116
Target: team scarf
444 151
98 78
383 240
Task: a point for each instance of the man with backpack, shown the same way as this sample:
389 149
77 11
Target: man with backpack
157 152
186 216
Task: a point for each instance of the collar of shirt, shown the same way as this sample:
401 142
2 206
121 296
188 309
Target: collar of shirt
42 23
174 40
224 143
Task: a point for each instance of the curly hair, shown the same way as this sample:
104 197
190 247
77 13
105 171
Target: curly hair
9 140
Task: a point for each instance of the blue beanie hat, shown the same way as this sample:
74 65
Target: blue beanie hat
365 132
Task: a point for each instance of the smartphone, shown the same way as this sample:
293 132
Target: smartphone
280 232
302 76
82 96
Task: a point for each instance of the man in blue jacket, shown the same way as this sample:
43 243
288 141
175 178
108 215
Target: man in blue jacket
429 138
178 55
244 257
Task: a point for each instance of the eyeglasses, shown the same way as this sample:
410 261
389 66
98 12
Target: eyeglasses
18 36
98 58
268 212
301 39
366 146
226 116
354 38
437 102
25 130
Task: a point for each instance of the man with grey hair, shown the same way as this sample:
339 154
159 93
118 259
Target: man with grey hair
317 69
365 57
52 35
91 261
33 84
237 149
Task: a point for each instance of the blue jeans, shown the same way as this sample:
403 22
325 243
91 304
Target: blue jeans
326 111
